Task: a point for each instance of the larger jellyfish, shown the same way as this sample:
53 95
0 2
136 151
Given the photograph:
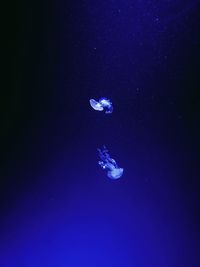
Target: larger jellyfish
102 104
109 164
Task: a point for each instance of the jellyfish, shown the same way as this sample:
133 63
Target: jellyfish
109 164
102 104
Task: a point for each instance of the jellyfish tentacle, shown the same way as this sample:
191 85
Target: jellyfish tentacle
107 104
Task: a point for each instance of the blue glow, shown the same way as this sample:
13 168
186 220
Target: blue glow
109 164
102 104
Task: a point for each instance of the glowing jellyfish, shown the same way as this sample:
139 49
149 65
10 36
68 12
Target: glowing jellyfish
109 164
102 104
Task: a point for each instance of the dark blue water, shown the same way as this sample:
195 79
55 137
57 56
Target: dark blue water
58 207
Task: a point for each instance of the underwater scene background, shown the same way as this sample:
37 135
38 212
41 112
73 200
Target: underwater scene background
57 206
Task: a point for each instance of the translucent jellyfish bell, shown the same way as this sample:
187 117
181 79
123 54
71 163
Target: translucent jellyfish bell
116 173
95 105
109 164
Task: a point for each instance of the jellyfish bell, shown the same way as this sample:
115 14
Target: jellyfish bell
96 105
115 173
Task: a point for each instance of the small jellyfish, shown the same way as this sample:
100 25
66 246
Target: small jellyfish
109 164
102 104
